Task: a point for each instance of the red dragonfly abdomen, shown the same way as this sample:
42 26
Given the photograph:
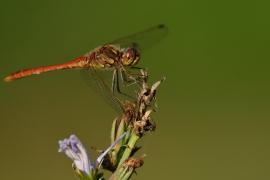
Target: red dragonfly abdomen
81 62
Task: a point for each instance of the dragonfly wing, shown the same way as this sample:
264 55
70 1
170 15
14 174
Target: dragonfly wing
113 92
143 39
100 80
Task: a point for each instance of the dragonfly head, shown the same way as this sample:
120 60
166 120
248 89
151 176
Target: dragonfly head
130 57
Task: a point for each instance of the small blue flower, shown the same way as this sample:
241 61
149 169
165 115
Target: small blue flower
76 151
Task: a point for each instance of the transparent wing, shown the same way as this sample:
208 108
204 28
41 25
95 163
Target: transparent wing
143 39
97 80
110 87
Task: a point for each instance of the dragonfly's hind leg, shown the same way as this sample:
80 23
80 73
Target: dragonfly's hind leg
115 81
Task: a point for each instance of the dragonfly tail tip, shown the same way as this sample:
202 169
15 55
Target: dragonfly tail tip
8 79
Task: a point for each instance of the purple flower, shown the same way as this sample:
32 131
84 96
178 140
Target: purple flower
76 151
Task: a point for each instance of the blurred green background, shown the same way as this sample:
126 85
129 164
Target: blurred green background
213 115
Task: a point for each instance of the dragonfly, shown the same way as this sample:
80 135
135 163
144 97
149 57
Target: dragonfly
106 67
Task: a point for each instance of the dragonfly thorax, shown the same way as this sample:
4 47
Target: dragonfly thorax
130 57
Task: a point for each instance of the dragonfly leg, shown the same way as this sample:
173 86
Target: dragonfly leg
116 82
113 80
132 77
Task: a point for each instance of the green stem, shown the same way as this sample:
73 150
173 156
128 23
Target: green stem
132 142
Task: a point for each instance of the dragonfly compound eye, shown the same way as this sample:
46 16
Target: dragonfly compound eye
130 57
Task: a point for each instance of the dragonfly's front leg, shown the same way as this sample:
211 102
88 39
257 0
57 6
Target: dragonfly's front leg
133 79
